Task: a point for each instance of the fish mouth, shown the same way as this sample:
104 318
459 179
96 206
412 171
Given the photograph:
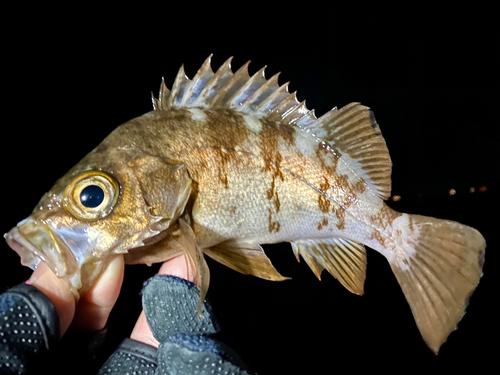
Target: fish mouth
35 242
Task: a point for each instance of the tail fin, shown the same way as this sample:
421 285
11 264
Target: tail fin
438 265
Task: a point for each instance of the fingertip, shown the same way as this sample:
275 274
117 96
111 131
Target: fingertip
178 267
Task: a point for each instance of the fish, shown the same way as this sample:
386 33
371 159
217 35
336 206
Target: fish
228 161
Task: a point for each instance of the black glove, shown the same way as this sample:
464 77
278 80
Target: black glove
29 328
186 342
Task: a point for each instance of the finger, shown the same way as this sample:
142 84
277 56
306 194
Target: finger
178 267
94 307
57 289
142 332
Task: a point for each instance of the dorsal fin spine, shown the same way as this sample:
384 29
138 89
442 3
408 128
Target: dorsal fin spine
198 79
163 96
237 80
273 100
261 93
287 106
298 111
177 88
307 119
258 79
204 99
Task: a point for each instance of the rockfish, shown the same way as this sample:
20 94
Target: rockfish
226 162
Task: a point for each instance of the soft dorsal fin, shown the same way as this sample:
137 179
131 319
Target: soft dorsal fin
343 259
351 130
354 131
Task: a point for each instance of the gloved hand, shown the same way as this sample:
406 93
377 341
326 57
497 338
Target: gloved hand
186 345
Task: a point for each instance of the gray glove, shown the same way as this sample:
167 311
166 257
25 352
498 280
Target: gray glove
29 329
186 345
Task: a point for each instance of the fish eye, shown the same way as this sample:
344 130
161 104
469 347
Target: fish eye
91 195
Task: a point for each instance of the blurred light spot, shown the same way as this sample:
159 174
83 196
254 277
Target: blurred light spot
452 192
396 198
483 189
472 189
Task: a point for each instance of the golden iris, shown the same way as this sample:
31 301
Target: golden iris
92 195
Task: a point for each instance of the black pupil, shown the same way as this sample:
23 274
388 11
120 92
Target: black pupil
92 196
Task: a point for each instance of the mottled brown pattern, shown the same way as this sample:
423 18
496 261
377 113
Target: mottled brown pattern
344 192
340 213
274 226
376 235
385 217
323 202
323 223
272 194
360 186
222 158
271 136
328 169
224 128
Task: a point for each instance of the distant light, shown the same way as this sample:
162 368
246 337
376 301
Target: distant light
472 190
452 192
396 198
483 189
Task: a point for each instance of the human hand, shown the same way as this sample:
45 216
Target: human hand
183 342
92 310
178 267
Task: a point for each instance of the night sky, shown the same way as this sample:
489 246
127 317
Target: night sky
431 78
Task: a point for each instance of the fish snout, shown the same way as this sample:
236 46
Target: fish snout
35 241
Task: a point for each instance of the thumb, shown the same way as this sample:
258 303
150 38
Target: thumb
178 267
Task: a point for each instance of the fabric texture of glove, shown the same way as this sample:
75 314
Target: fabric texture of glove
29 329
186 342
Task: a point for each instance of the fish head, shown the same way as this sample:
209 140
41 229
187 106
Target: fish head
110 202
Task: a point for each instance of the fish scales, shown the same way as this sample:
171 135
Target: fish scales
227 162
259 161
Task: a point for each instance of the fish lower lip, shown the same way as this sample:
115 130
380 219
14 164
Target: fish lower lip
29 254
51 250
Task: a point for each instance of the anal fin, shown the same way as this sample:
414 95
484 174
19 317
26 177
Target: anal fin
246 258
343 259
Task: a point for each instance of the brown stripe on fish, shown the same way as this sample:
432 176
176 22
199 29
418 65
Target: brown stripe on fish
360 186
271 137
324 203
323 223
385 217
274 226
224 128
328 159
340 213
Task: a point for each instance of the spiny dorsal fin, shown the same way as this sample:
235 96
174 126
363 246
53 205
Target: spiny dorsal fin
351 130
254 94
343 259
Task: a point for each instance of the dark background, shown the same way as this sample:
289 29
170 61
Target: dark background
431 77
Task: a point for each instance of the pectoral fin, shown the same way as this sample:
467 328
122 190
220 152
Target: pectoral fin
343 259
157 249
245 257
196 261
